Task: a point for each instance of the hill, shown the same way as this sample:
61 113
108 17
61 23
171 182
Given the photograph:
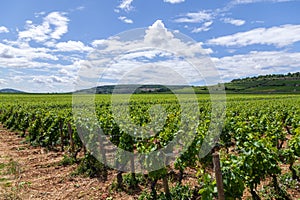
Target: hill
274 83
9 90
128 89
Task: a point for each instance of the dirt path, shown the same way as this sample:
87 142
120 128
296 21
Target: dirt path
28 172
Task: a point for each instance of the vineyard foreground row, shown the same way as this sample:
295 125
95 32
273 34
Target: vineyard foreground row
260 135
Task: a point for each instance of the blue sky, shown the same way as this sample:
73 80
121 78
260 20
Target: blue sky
44 45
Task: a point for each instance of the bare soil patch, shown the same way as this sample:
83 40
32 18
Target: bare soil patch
28 172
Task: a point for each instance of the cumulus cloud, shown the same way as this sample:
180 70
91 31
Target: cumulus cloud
156 35
3 29
278 36
162 34
159 54
125 20
45 31
174 1
236 22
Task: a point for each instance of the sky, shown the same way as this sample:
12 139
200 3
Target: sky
51 45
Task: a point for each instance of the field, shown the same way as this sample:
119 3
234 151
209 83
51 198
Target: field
47 148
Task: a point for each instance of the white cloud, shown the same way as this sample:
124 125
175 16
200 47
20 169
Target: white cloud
210 15
66 72
126 5
257 62
3 82
38 14
237 2
174 1
44 31
159 50
40 80
17 79
50 80
156 35
22 44
72 46
56 79
236 22
59 78
162 72
258 22
195 17
6 53
38 33
279 36
125 20
24 57
60 22
3 29
204 27
57 61
203 17
80 8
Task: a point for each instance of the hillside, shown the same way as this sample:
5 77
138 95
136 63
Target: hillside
9 90
138 89
275 83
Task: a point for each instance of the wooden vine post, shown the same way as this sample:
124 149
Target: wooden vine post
218 173
71 139
61 135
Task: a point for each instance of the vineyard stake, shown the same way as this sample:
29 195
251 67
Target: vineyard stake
61 135
218 173
71 138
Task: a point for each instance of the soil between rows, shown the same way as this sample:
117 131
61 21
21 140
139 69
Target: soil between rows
38 174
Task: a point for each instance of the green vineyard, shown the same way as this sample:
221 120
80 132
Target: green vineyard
258 146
